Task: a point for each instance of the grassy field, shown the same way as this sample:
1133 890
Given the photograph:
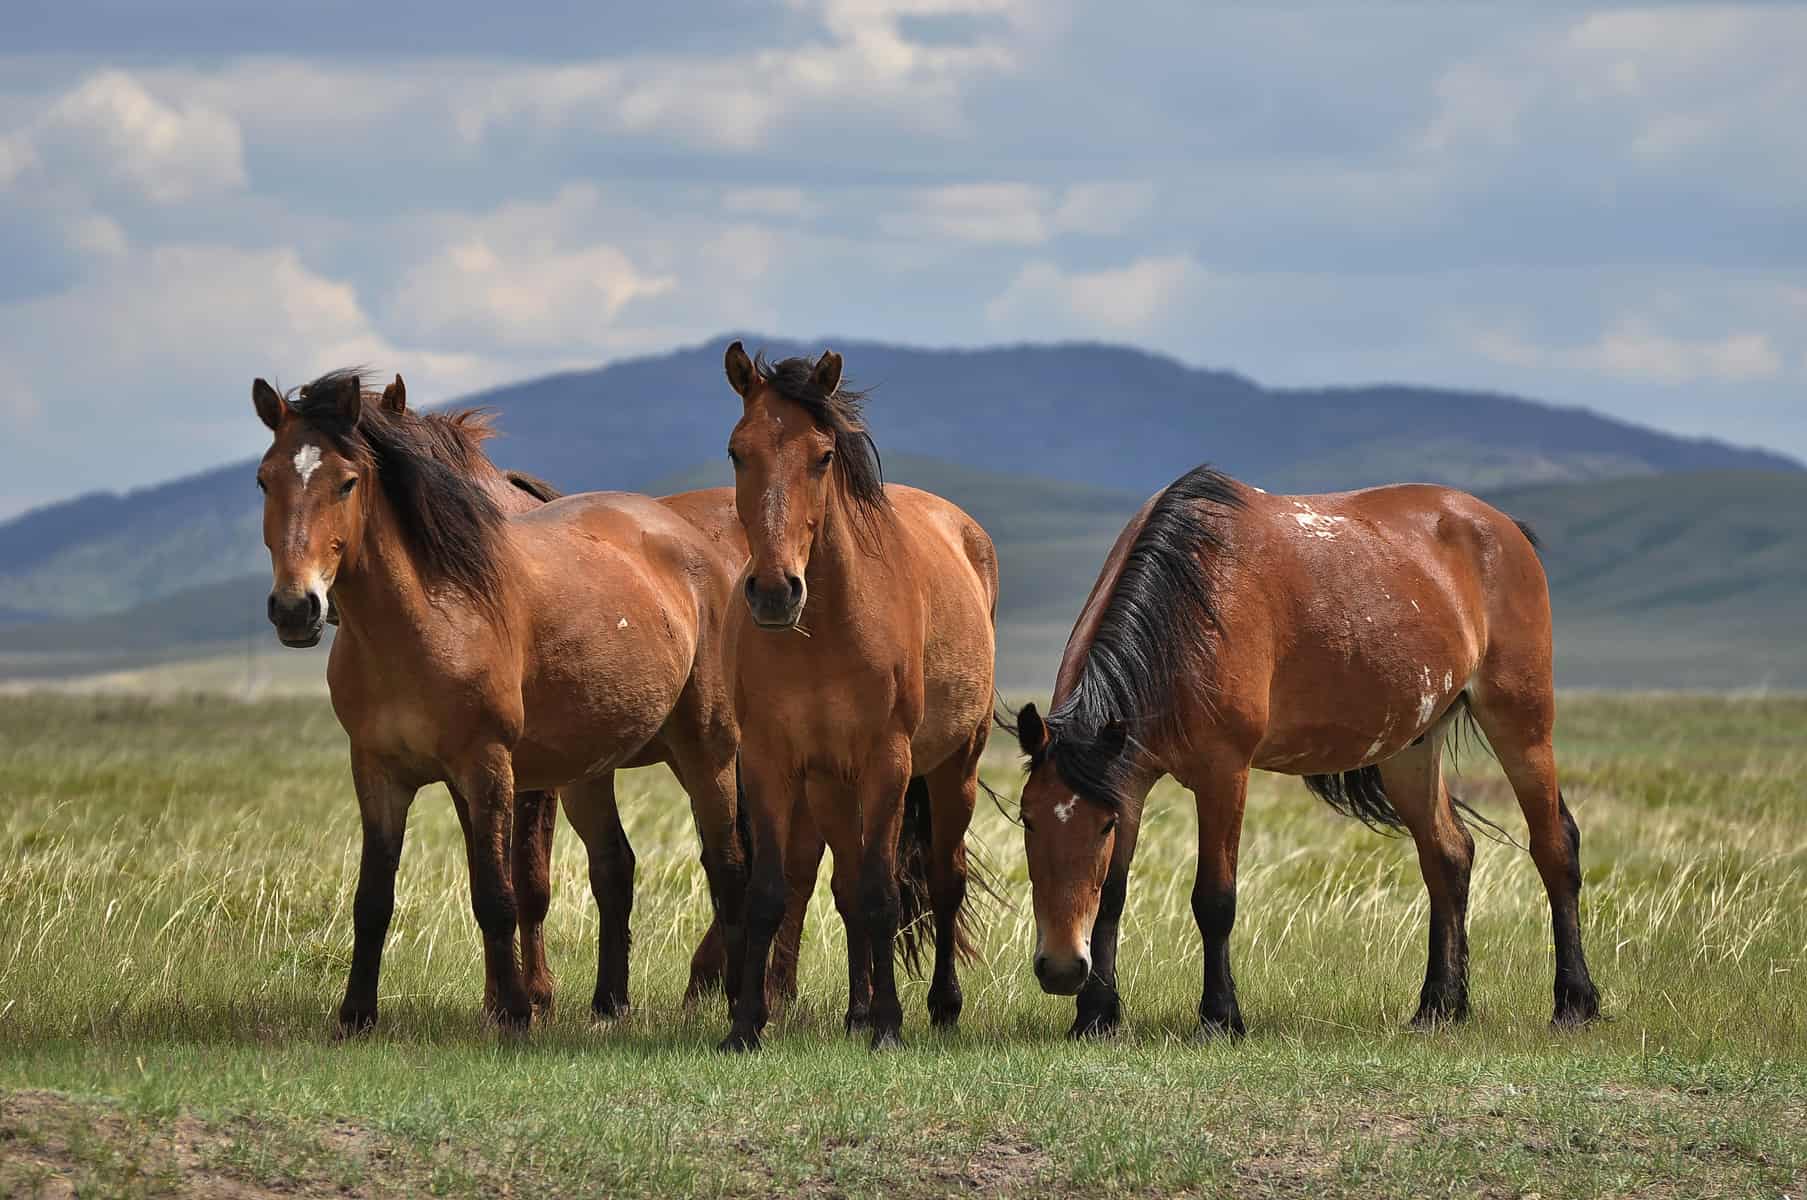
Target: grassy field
176 881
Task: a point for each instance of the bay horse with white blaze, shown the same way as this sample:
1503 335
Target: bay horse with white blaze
1333 637
861 664
491 650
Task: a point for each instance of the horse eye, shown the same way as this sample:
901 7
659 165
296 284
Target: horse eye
733 458
260 484
827 457
1028 827
1109 825
345 488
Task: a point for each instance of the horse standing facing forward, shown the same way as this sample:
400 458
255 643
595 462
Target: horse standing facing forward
861 663
493 651
1326 636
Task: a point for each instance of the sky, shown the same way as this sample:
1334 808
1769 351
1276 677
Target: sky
1597 207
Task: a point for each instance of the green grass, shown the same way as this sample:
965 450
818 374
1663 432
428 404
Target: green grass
176 878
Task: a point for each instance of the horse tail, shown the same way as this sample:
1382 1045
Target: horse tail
915 925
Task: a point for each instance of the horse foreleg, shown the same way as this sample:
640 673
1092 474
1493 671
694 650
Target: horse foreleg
769 805
383 803
803 862
881 804
953 790
486 788
1220 802
535 821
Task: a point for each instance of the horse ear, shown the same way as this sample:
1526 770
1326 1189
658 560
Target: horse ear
1031 734
269 404
1112 739
348 398
395 396
827 374
739 368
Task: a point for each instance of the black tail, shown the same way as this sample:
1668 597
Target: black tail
915 925
533 485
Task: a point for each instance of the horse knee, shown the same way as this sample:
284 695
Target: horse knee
880 903
1214 908
495 912
763 910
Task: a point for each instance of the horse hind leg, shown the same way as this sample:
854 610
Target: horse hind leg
1413 782
591 809
1518 727
953 790
535 821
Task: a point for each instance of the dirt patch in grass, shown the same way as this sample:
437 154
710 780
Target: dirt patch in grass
53 1146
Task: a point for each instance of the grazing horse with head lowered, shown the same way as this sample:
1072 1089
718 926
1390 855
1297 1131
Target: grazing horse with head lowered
861 663
1332 637
491 650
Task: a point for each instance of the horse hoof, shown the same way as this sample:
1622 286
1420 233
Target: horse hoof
1442 1015
1097 1028
887 1039
945 1013
857 1021
739 1043
1228 1027
608 1009
1576 1007
354 1023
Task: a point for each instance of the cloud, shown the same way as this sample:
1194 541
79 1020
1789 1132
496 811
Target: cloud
1118 300
770 202
1018 213
116 129
1631 349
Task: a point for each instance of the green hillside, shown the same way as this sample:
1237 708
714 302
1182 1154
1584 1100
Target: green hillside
1687 580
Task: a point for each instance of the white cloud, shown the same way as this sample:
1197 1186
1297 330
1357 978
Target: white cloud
16 157
1631 349
529 276
1018 214
118 129
1118 300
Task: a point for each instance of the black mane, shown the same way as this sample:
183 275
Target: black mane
1154 625
857 465
427 465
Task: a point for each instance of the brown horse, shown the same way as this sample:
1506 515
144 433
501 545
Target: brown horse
489 650
862 674
1333 637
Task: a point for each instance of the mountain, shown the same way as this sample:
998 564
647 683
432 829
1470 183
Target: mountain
1113 418
1683 580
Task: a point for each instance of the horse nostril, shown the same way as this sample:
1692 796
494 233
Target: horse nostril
270 607
313 607
796 588
752 588
1041 966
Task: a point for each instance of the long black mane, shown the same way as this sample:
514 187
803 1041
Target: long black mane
427 465
857 467
1160 620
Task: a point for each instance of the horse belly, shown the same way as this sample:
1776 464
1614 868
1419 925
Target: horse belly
593 710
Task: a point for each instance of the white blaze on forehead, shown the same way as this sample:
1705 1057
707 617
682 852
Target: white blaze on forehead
307 461
1063 811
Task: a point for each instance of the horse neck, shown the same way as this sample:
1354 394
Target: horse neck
840 559
379 590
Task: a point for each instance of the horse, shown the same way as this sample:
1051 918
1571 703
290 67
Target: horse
711 510
495 650
1334 637
861 668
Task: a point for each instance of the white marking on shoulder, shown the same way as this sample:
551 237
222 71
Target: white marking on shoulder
623 624
1063 811
1374 750
1316 523
1427 703
307 461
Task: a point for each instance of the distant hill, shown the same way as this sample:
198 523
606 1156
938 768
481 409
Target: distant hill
1688 580
1114 419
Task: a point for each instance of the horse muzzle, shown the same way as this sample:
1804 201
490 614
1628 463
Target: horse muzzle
776 605
1062 974
299 617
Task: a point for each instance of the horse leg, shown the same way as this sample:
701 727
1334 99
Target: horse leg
1413 782
590 807
953 790
881 790
803 863
1220 801
486 784
769 805
708 963
535 821
1520 734
383 803
711 783
834 815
